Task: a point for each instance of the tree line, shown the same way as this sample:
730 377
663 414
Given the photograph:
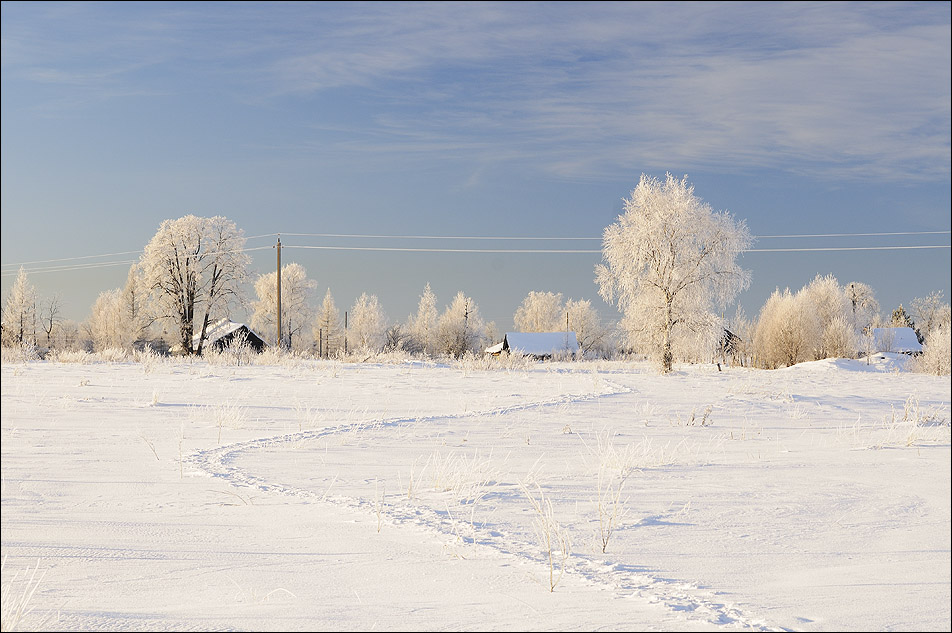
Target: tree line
669 264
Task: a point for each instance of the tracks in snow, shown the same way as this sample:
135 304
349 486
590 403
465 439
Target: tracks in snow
679 597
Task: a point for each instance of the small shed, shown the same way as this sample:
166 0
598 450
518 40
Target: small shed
896 339
537 344
224 332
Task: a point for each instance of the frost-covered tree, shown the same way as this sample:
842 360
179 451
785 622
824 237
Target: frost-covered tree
786 331
540 312
135 306
193 267
583 319
900 318
669 260
327 329
864 309
119 317
461 329
296 310
421 328
831 308
936 357
930 312
19 312
367 327
106 327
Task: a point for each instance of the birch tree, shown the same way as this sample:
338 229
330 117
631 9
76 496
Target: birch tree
669 261
193 268
540 312
105 326
864 309
583 319
296 310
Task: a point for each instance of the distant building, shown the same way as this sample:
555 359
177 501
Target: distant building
896 339
537 344
225 332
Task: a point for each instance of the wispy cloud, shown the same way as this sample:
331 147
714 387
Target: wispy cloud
579 90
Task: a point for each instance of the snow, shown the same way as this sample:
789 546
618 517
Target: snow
539 343
896 339
319 495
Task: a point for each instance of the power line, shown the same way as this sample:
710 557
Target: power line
592 251
475 250
763 237
528 238
844 248
54 269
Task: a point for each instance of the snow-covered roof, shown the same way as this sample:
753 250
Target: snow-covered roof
540 343
495 349
896 339
220 330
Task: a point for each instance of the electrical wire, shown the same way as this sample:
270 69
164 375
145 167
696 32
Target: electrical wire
66 268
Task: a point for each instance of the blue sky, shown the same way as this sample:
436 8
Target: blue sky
479 120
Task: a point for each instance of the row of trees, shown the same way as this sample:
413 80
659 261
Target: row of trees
827 320
669 264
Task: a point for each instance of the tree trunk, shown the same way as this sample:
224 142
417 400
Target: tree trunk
667 357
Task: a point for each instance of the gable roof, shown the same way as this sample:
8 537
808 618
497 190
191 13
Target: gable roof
896 339
540 343
220 330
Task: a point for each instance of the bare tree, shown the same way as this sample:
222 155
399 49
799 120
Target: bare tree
296 310
50 318
19 312
667 261
193 267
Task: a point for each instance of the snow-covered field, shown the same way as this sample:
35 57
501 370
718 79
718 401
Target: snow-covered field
315 495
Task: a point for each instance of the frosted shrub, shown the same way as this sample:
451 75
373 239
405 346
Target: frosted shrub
147 357
553 537
839 339
785 331
112 355
936 357
222 415
19 353
77 357
487 362
17 593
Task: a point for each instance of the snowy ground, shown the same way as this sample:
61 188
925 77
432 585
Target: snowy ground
320 495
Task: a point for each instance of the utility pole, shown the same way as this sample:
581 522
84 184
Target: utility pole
280 340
